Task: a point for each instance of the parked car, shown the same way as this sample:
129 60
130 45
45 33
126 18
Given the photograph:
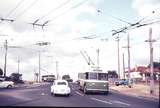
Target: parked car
60 87
6 84
122 82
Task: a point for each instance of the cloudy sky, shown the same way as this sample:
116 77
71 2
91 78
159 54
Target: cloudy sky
69 21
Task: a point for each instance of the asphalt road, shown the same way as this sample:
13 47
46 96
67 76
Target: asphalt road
40 96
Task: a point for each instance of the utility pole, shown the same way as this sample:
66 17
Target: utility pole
129 68
123 67
39 66
18 64
118 56
57 69
40 44
5 63
151 61
98 59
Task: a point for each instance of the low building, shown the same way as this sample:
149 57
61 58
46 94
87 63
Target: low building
142 73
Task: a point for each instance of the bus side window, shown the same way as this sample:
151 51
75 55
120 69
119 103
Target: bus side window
86 76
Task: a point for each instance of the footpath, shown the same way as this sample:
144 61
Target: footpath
140 90
29 84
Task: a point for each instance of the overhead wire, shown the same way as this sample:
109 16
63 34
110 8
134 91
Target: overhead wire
19 15
73 7
26 9
136 25
50 12
19 3
53 10
11 11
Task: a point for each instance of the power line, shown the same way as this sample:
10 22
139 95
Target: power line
73 7
135 25
32 4
53 10
15 8
9 13
19 15
47 14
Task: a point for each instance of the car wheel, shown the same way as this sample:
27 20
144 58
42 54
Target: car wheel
55 94
51 93
68 95
9 86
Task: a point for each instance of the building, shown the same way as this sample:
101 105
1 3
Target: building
142 73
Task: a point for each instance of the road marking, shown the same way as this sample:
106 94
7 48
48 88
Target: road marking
101 100
79 93
43 94
119 102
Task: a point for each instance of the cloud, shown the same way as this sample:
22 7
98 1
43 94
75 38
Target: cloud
145 7
67 25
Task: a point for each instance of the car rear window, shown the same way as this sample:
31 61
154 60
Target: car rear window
61 83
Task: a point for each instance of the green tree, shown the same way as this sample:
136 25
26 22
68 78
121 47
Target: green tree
67 77
112 74
16 77
155 65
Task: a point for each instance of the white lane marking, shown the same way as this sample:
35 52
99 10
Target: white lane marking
44 94
119 102
101 100
79 93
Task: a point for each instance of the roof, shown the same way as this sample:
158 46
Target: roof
143 69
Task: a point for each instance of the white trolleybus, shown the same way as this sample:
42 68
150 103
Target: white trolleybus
48 78
96 81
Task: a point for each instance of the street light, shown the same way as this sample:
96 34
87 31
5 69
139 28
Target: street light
41 44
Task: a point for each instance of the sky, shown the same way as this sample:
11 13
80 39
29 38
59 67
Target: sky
69 21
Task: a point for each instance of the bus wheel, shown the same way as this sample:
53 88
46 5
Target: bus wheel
106 93
85 90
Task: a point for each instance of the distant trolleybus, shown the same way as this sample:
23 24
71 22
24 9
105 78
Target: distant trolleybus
48 78
93 82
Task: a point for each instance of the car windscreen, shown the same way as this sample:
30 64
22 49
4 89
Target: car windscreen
61 83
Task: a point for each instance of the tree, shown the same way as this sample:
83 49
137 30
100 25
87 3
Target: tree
1 71
112 74
16 77
155 65
67 77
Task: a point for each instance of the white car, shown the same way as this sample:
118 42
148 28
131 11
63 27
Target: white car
6 84
60 87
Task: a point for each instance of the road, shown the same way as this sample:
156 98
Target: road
40 96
